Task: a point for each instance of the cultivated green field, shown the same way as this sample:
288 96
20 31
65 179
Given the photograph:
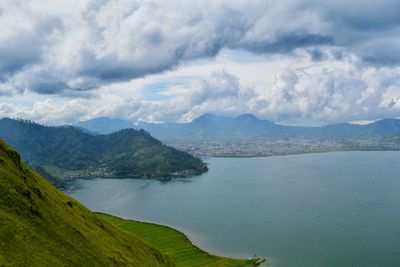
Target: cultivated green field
174 244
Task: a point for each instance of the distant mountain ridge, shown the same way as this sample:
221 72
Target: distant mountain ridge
104 125
126 153
209 127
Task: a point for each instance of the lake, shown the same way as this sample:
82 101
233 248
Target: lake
328 209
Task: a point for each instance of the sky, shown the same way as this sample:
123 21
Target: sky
302 62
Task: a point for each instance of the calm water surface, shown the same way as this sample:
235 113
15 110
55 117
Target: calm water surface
331 209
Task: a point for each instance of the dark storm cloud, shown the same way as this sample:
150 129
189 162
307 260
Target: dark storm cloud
25 47
317 55
288 42
361 15
50 86
83 47
369 29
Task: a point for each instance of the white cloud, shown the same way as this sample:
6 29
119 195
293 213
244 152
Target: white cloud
300 93
297 61
63 46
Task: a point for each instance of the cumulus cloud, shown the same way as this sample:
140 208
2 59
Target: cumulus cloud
315 94
83 56
61 47
338 92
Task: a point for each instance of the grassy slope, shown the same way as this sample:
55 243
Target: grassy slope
174 244
40 226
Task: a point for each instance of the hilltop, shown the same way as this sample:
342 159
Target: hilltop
71 152
104 125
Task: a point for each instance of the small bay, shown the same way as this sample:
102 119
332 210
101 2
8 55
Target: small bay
328 209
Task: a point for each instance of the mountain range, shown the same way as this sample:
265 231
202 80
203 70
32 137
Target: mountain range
210 127
103 125
70 152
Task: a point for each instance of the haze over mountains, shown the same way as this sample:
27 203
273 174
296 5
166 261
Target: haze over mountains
210 127
104 125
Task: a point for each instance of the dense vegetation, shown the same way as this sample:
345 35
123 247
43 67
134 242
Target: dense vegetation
124 153
175 245
40 226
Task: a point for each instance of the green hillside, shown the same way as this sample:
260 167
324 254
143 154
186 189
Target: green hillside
125 153
176 245
40 226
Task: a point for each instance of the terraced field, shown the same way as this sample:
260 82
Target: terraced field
175 244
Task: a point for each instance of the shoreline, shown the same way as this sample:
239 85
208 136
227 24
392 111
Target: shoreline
251 261
292 154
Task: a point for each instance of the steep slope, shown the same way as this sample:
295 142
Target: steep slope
56 181
104 125
127 152
40 226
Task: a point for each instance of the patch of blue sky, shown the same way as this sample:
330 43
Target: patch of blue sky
160 91
151 91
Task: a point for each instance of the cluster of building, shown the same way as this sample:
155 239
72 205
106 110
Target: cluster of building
254 148
99 172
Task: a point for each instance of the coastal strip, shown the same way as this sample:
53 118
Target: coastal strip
176 244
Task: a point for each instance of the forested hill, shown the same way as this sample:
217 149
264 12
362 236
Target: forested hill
127 153
104 125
